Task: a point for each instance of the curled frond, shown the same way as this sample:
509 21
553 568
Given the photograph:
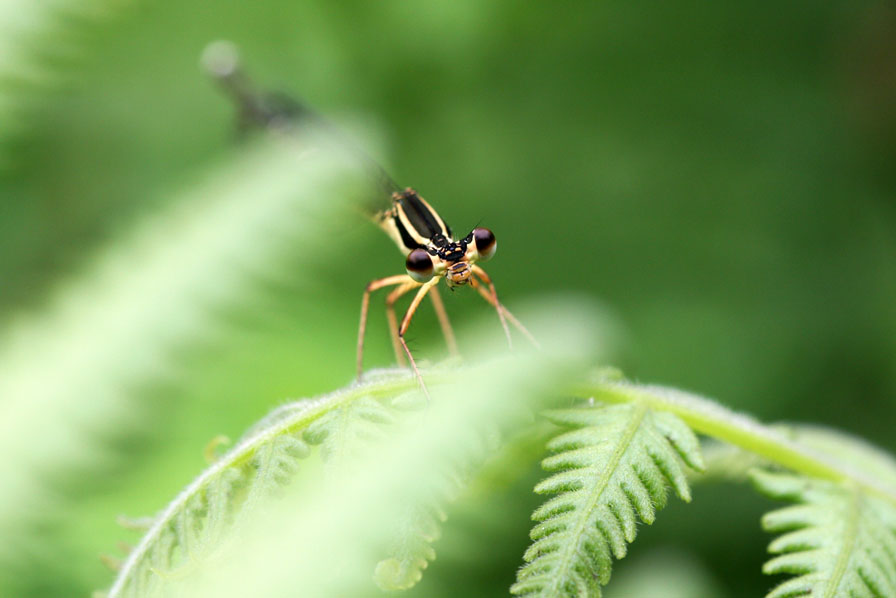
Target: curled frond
838 541
611 469
347 433
420 523
410 547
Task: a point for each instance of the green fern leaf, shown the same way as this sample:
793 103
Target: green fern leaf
839 541
347 433
612 468
410 547
265 461
161 283
420 522
38 42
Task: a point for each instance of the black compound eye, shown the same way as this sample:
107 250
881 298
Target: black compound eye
486 244
419 265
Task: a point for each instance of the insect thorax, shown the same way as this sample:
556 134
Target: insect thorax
446 249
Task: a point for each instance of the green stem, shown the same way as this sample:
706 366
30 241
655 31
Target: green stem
711 419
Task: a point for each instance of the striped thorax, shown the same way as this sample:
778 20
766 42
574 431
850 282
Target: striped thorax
417 228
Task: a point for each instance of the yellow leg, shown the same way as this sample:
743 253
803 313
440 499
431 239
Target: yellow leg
447 331
365 306
406 321
491 295
393 321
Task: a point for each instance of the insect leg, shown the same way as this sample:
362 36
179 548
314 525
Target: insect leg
365 305
491 295
439 306
393 321
406 321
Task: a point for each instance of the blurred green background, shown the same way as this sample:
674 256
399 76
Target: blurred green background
719 176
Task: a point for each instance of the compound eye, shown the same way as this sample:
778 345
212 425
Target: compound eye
419 265
486 244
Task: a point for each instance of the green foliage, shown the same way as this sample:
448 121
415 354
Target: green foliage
344 434
344 425
161 283
612 468
347 430
257 468
37 42
195 522
838 541
411 547
137 321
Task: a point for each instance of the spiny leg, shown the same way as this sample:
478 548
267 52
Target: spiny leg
393 321
365 305
439 306
491 295
406 321
491 298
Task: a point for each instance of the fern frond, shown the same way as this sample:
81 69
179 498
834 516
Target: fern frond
828 456
345 432
197 521
612 468
349 431
419 523
725 461
344 435
854 455
839 541
114 327
410 547
36 41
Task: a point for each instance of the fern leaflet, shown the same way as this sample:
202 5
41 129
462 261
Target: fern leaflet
612 468
839 541
345 434
266 459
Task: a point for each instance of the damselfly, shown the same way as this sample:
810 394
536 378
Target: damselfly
432 252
